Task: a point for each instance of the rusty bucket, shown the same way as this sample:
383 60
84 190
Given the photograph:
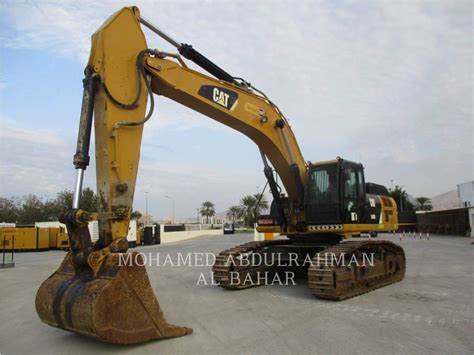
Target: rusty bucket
117 305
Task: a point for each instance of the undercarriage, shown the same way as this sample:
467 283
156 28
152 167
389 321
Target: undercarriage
336 270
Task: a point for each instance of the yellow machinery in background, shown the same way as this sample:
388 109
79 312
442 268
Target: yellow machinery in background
53 236
8 236
26 238
62 241
58 238
34 238
42 238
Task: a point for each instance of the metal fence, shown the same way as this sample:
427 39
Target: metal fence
450 222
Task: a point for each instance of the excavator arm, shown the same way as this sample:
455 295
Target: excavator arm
120 79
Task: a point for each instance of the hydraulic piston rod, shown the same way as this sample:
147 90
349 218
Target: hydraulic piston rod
193 55
78 188
81 158
160 33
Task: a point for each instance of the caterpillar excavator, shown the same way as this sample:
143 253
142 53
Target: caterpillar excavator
317 206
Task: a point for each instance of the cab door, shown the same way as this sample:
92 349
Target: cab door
353 192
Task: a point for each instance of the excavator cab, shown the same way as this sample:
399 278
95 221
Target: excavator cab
335 193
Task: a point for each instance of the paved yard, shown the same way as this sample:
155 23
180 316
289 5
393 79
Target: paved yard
431 310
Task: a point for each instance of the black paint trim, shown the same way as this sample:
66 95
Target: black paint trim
225 97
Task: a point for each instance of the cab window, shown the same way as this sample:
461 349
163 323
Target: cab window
350 183
361 183
323 185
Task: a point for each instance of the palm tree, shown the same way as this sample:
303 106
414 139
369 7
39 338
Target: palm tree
136 215
251 207
262 203
207 210
401 198
247 205
423 204
234 212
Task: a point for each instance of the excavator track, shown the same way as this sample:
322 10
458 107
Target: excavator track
231 273
328 279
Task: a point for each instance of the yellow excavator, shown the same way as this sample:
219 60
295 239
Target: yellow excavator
317 206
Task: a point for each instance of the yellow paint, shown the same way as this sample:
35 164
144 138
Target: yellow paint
115 47
269 229
268 236
62 241
26 238
30 238
53 236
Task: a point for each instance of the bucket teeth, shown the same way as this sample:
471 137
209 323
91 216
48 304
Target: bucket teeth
116 306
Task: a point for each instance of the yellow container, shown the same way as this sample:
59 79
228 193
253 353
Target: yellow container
43 239
26 239
62 241
7 237
53 236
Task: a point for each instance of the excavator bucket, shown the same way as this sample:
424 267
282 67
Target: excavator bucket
116 306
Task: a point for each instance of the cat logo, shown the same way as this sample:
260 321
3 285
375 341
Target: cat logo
221 96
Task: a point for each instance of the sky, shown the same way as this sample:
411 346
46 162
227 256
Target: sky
387 83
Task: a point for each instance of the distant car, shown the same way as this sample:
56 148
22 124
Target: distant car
228 228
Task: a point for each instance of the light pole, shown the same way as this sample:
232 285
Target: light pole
391 184
198 210
172 206
146 207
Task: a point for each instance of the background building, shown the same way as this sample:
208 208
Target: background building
453 212
466 194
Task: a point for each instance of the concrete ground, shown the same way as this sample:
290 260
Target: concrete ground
430 311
